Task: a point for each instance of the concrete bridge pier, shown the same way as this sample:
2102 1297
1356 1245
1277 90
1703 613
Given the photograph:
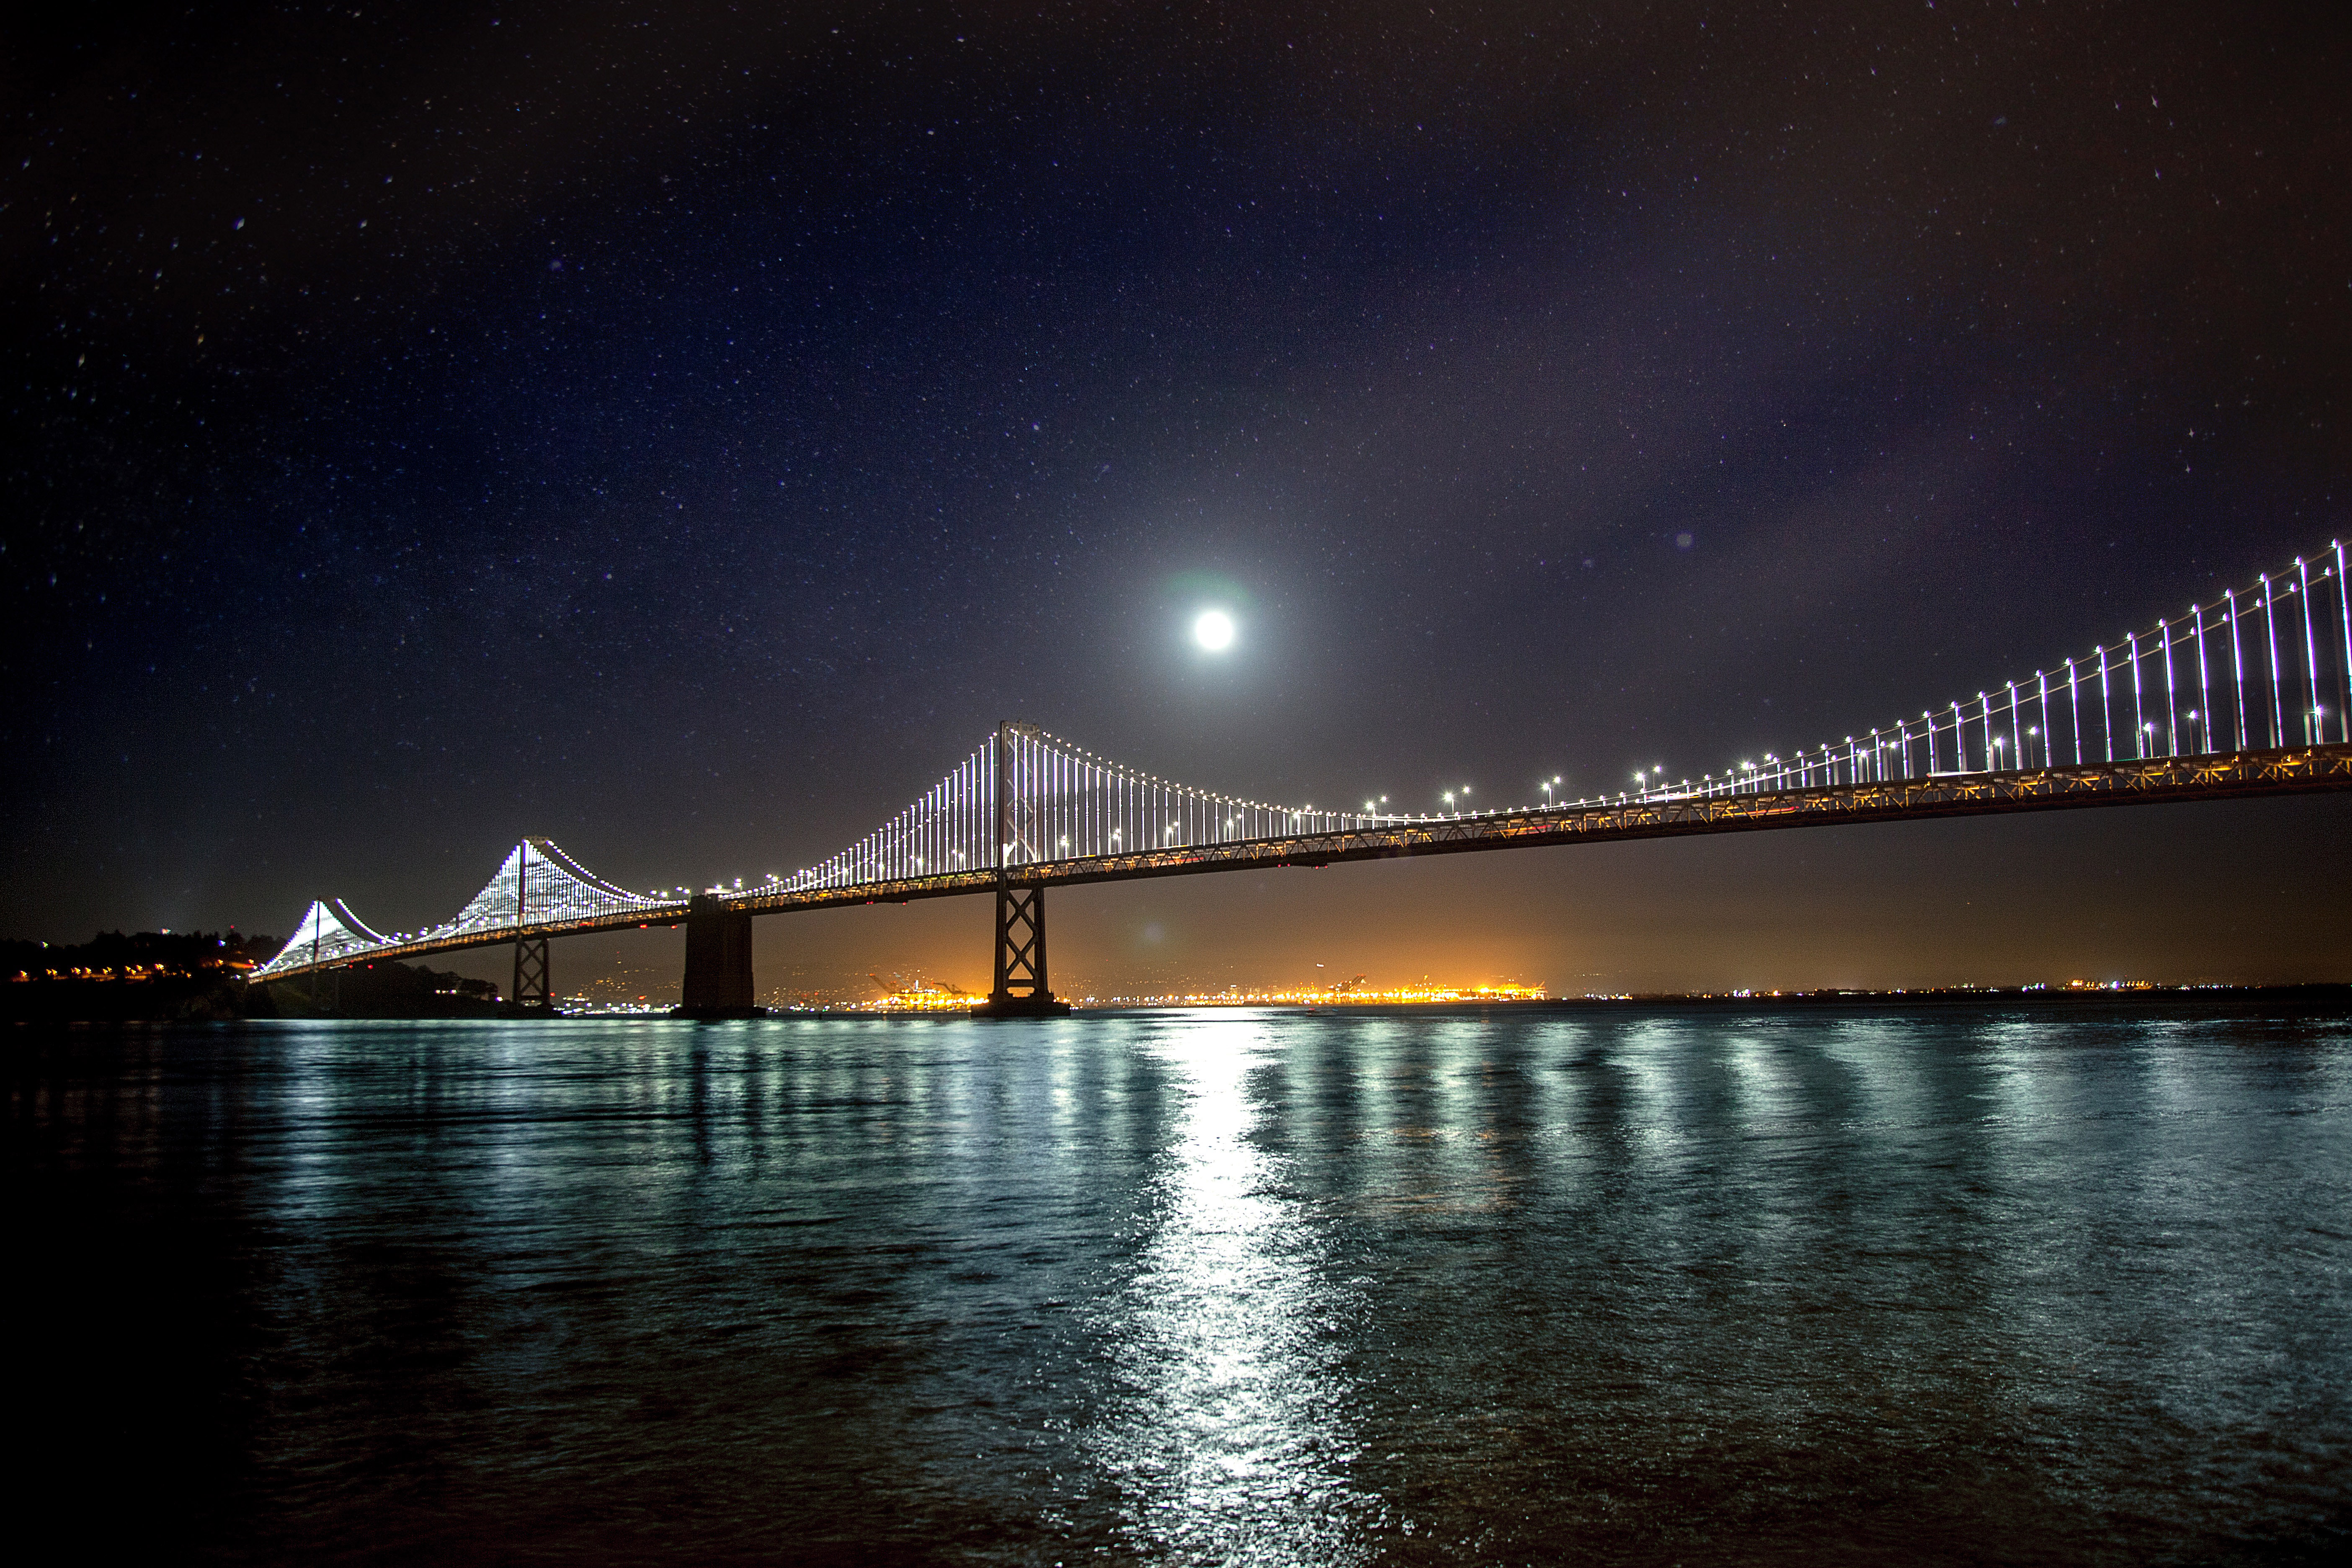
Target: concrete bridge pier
717 962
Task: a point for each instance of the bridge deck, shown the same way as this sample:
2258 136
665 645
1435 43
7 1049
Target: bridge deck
2144 782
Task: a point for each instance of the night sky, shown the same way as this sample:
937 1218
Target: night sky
684 431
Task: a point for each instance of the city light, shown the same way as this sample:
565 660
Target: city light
1342 994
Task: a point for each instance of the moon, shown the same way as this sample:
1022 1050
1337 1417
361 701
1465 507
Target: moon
1213 630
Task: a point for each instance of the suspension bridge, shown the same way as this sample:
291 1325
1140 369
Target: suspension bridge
2247 695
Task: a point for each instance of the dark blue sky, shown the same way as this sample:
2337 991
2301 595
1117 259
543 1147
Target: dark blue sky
684 431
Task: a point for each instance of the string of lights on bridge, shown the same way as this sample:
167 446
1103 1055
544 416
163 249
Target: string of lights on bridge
2213 681
2269 667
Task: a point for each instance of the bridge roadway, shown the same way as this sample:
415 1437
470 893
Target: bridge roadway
2294 770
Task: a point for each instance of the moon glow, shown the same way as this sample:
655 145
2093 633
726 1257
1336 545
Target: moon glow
1213 630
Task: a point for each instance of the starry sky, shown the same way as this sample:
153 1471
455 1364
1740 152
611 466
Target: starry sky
685 430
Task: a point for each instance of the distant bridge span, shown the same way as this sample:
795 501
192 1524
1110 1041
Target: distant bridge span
2142 721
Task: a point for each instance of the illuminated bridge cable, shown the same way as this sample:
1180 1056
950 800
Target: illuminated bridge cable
2297 669
1081 815
538 884
330 934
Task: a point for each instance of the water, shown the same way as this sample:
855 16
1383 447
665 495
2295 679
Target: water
1931 1286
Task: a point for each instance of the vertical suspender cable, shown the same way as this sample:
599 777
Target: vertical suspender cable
2204 685
2310 656
2075 703
2237 667
2107 706
2270 636
2344 622
2171 718
2140 715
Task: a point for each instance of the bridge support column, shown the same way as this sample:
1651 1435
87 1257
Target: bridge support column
531 992
329 1005
1021 989
717 962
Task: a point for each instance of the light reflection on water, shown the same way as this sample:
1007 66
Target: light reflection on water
1228 1437
1639 1286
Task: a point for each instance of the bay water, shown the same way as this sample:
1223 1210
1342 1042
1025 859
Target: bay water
1634 1284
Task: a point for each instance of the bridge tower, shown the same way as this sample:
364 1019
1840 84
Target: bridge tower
1021 990
718 961
531 992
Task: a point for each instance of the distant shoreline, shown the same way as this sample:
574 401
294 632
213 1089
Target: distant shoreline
2333 994
2328 995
